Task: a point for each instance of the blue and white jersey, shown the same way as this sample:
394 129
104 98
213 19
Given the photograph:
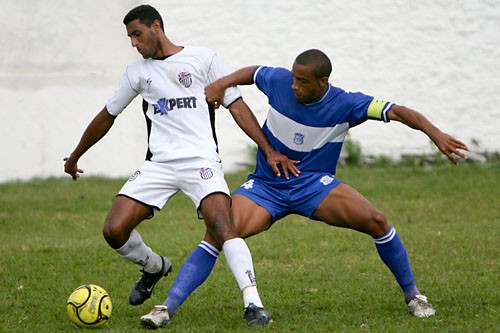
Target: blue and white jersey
310 133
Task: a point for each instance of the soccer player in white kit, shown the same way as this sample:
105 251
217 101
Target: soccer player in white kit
182 156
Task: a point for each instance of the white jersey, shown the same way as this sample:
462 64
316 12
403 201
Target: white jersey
179 122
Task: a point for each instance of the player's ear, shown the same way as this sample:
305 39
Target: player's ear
156 24
323 81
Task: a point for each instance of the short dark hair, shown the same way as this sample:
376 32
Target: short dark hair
322 66
146 14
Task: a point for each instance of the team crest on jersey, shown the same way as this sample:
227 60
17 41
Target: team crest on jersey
206 173
185 79
298 138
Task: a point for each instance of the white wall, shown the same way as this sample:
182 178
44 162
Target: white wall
60 61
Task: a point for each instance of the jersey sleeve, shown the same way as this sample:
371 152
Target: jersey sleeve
216 71
377 110
262 78
123 95
364 107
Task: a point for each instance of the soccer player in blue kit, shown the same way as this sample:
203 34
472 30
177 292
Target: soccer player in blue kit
308 121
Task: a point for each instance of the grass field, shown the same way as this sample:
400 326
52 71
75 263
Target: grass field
312 277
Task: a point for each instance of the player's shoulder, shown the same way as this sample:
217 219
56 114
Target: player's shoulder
274 70
338 92
202 51
136 68
346 98
275 73
136 64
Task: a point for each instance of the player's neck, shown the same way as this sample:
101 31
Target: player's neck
167 49
320 96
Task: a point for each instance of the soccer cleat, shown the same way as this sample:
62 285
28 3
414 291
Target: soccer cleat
157 318
419 307
255 315
145 285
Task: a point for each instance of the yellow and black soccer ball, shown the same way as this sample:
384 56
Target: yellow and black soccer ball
89 306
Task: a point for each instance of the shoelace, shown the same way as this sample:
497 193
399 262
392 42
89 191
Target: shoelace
146 280
158 309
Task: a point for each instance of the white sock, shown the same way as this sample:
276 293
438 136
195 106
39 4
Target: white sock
136 251
239 259
251 295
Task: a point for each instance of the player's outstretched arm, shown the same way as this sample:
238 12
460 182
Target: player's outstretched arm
447 144
246 120
214 92
97 128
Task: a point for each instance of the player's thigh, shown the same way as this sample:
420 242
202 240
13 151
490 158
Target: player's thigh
216 212
199 179
346 207
124 216
216 207
153 184
249 217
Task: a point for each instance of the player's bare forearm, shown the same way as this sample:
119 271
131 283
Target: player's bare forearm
242 76
214 92
97 128
447 144
94 132
246 120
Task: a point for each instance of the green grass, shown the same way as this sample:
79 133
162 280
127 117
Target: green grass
312 277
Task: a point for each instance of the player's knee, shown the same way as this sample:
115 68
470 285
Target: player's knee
113 233
221 230
221 234
379 225
210 239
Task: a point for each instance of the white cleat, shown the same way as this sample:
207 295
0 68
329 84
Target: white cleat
420 307
157 318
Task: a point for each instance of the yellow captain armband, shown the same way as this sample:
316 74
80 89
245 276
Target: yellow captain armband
375 109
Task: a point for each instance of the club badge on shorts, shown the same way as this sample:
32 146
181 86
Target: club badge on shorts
206 173
325 180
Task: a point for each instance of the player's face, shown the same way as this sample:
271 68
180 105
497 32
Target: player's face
144 38
307 87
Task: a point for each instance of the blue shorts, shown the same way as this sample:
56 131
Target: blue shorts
300 195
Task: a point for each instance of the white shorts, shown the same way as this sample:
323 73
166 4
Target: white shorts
155 183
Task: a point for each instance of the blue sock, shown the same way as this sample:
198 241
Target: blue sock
193 273
393 253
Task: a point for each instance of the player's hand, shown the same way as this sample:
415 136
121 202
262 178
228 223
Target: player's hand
71 168
214 93
451 147
288 165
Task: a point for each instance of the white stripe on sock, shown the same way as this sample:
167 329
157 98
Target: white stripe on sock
386 238
209 248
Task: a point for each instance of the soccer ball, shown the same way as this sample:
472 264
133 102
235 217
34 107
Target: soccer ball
89 306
